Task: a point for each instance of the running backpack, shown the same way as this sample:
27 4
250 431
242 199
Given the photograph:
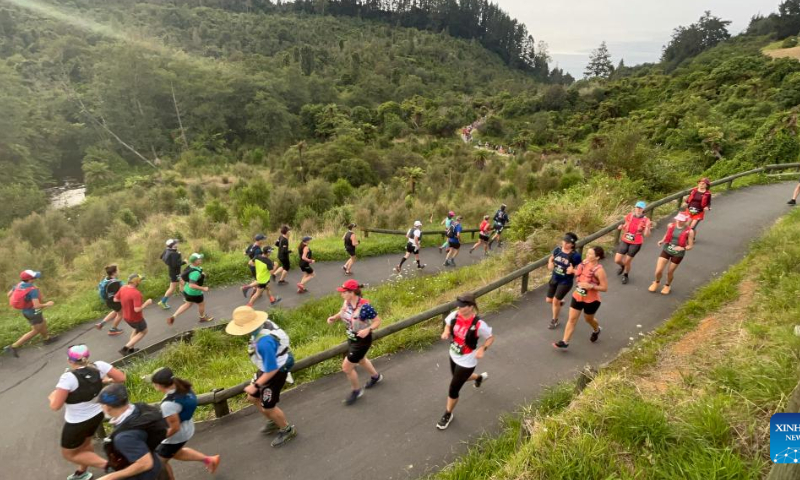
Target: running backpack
107 288
410 234
165 255
19 300
145 417
188 271
451 231
187 401
89 385
471 338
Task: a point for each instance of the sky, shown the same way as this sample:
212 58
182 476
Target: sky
635 30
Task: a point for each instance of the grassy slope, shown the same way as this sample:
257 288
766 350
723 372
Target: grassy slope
692 400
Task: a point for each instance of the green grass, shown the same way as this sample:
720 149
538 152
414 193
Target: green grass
711 424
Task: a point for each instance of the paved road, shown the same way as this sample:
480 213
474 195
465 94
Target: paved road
25 382
390 433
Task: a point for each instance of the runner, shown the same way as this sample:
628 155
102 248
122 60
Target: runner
264 271
253 250
350 244
306 260
172 257
138 430
107 289
463 327
283 255
178 407
483 236
562 263
193 278
793 201
77 389
25 296
413 245
454 240
592 280
698 202
448 220
634 230
500 220
269 351
361 320
130 298
676 242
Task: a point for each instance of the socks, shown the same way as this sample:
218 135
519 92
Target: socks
418 264
402 261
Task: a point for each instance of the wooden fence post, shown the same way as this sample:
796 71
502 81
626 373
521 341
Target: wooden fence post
617 236
525 279
366 233
680 202
221 408
730 184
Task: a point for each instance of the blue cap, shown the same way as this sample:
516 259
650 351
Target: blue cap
640 204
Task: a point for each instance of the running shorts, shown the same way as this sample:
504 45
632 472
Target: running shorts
454 245
671 258
306 268
193 298
357 350
168 450
263 286
74 434
628 249
411 248
139 326
34 318
174 276
588 308
460 377
285 263
351 251
116 306
558 290
483 237
270 394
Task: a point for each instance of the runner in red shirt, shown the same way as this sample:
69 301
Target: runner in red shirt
634 230
483 236
130 298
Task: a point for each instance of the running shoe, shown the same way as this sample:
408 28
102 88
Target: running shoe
397 269
301 288
625 279
246 290
282 282
561 345
276 301
80 476
665 290
792 202
284 436
113 332
595 334
421 266
653 287
211 463
446 263
452 262
11 351
163 305
481 378
206 319
125 351
354 395
50 339
99 325
444 422
171 321
374 381
553 324
269 428
348 273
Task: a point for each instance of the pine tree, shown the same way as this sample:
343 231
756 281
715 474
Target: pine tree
599 63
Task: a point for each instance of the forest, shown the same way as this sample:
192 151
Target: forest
210 121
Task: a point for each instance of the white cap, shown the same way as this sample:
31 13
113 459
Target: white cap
171 242
417 223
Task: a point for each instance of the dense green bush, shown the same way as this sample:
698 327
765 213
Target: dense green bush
216 211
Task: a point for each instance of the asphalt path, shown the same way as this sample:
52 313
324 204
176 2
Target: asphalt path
30 446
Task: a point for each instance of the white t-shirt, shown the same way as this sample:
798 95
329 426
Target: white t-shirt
80 412
469 360
187 428
415 234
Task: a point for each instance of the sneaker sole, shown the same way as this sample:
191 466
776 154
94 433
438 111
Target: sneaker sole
114 334
447 424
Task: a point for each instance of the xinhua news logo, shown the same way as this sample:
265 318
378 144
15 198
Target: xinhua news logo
784 438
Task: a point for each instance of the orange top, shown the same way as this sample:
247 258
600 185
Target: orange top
584 274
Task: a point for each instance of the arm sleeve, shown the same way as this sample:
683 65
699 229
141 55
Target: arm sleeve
450 318
267 348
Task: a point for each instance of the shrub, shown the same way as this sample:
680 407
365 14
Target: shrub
127 217
33 230
342 190
197 192
183 206
94 220
226 236
282 206
789 42
19 201
216 212
197 223
319 195
254 212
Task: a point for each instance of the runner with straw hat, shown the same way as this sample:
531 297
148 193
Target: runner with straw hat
270 353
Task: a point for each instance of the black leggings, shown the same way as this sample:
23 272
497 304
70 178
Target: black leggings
460 377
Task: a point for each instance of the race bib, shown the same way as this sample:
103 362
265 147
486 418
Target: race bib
694 210
351 335
581 291
559 270
630 237
456 348
671 249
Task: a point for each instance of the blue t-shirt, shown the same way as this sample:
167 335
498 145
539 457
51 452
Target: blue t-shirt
29 296
456 231
267 348
561 261
132 444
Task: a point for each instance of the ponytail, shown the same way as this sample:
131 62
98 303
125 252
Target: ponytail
181 386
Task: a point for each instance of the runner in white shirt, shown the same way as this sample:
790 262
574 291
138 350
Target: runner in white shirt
464 328
76 390
413 246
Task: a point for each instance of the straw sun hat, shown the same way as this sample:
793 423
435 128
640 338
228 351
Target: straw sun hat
245 320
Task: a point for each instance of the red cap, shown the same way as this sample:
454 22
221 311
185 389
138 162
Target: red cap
349 286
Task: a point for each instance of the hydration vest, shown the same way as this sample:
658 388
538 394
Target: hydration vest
592 277
188 271
683 239
272 330
19 300
107 288
636 226
89 385
704 201
187 401
467 343
145 417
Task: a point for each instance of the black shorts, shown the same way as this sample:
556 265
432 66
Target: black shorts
174 277
263 286
139 326
168 450
483 237
499 228
588 308
34 318
460 377
357 350
74 434
116 306
270 394
285 263
671 258
193 298
558 290
306 268
411 248
454 245
351 251
628 249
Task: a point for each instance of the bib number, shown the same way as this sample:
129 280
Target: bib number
581 291
630 237
559 270
694 210
671 249
456 348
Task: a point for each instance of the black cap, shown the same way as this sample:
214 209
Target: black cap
351 226
162 376
570 237
260 236
465 300
114 395
267 250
